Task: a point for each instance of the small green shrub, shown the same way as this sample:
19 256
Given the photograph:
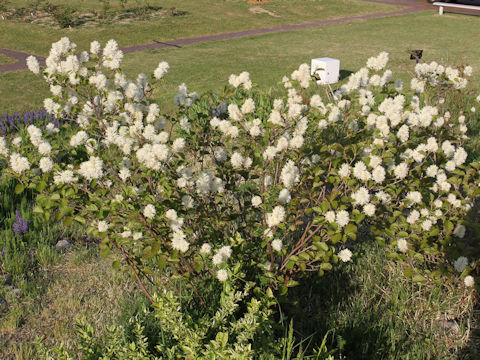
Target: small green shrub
65 16
240 328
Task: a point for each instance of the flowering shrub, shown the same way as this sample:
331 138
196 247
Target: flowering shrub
240 182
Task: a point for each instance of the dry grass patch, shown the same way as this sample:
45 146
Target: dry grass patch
81 286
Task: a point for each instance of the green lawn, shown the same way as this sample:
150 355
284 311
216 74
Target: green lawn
200 18
268 57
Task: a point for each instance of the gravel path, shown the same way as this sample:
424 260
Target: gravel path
409 6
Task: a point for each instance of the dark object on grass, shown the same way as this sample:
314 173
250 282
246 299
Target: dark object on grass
20 226
416 55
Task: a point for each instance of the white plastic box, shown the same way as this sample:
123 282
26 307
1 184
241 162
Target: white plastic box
327 69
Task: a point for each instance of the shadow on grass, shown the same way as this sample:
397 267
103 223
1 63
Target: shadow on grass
373 312
345 74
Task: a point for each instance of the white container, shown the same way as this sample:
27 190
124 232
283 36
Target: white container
327 69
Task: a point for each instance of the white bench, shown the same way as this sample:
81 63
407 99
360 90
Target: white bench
441 5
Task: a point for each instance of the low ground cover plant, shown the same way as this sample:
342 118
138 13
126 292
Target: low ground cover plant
239 186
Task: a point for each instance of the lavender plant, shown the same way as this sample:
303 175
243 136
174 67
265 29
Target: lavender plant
20 226
242 183
12 123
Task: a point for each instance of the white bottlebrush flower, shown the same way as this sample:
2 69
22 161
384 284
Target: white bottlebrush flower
178 145
276 216
413 217
459 231
344 171
236 160
234 112
432 171
427 225
102 226
124 174
290 175
91 169
188 202
369 209
414 196
78 139
149 211
460 156
161 70
284 197
342 218
220 154
95 47
361 196
19 163
269 152
345 255
205 249
460 264
178 241
64 177
402 245
360 171
277 245
469 281
44 148
330 216
45 164
378 174
256 201
3 147
248 106
401 171
450 166
33 65
222 275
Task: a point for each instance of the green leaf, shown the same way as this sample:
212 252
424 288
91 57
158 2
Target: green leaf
419 279
408 272
116 264
38 210
68 221
292 283
80 219
41 186
19 189
326 266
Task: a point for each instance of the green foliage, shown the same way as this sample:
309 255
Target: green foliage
240 328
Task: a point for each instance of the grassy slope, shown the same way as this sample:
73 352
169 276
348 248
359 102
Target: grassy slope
268 57
201 18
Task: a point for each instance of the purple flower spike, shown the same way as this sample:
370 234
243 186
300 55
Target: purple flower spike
3 251
20 226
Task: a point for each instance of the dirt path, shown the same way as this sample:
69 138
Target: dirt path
410 6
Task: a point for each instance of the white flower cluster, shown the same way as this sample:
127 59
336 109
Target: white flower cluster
242 80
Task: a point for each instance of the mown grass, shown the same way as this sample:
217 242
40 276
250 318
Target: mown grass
207 66
200 18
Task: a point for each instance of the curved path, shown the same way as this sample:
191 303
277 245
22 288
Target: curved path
409 6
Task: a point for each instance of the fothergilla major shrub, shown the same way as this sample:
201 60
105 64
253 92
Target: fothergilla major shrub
240 184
